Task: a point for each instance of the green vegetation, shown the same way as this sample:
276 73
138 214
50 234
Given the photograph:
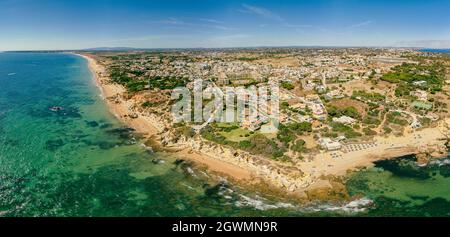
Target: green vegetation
209 133
412 72
371 120
299 128
135 86
373 112
403 89
289 132
284 105
285 135
257 144
432 74
387 129
235 134
133 81
299 146
422 105
167 83
185 131
374 97
248 59
351 111
261 145
369 132
287 85
149 104
395 118
346 130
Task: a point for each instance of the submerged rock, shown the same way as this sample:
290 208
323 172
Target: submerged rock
92 124
53 145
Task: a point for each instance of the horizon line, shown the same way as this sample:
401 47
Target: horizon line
125 48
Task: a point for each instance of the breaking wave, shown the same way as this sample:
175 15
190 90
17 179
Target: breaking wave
260 203
355 206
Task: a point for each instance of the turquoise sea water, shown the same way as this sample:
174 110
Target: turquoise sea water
80 161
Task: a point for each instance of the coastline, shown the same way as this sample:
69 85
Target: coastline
299 178
146 125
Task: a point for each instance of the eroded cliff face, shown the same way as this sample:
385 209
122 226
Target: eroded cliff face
279 175
283 176
430 152
286 177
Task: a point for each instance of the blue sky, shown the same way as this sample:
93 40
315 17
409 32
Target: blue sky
66 24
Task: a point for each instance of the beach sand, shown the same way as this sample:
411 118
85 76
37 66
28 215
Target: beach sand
142 124
384 148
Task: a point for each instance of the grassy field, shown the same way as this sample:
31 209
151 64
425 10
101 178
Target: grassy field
237 135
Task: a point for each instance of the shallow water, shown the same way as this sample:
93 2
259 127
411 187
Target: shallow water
402 188
80 161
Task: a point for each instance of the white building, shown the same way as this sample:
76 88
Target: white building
345 120
420 83
329 144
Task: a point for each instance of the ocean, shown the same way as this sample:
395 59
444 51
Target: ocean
79 160
435 50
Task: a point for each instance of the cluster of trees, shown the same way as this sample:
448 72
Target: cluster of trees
406 74
348 111
371 120
288 133
369 132
257 144
248 59
287 85
167 82
261 145
403 89
211 134
299 146
345 129
122 76
375 97
395 118
133 82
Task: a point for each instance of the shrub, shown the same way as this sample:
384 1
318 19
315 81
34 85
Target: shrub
299 146
287 85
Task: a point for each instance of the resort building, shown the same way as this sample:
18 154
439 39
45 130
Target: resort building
329 144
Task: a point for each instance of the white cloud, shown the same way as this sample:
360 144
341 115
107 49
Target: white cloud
297 26
361 24
260 11
211 20
201 22
171 21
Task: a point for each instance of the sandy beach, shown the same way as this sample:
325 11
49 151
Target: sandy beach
336 163
144 125
380 148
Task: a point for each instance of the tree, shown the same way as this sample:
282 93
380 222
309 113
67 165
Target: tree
299 146
287 85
